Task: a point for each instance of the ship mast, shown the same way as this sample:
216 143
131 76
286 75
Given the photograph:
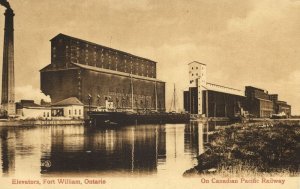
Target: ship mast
174 97
131 84
155 96
173 102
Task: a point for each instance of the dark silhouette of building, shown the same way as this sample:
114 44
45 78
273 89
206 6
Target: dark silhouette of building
258 102
280 107
80 68
222 104
186 101
212 100
219 104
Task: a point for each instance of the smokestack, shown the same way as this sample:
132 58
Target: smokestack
8 77
5 3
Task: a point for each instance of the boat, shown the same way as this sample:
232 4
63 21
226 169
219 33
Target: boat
112 116
128 118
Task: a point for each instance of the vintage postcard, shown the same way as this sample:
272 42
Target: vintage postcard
150 94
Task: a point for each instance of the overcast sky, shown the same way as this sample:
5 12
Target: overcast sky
243 42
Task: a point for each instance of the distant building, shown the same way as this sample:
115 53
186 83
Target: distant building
282 107
27 109
68 108
258 102
80 68
262 104
210 99
273 97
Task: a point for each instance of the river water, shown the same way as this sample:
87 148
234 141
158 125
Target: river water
156 150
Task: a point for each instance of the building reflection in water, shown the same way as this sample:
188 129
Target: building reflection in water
7 152
21 151
143 149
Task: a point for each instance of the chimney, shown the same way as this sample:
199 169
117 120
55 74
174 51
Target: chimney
8 76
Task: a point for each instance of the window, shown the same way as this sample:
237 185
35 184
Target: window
79 112
192 68
69 112
44 114
47 114
75 112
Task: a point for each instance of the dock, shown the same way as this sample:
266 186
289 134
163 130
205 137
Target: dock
18 123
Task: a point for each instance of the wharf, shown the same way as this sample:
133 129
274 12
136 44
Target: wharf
17 123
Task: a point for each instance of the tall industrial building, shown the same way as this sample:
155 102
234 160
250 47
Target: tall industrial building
94 74
197 76
8 77
212 100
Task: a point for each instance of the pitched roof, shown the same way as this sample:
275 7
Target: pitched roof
197 63
68 101
103 70
224 89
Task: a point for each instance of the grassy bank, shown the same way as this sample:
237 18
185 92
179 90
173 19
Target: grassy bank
268 148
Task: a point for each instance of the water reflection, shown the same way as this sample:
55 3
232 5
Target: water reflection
143 149
7 152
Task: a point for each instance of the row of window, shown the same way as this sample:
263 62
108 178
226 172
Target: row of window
197 68
95 53
197 74
75 112
46 114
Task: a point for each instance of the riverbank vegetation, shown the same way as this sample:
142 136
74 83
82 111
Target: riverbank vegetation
259 149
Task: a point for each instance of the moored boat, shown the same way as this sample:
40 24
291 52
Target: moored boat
125 118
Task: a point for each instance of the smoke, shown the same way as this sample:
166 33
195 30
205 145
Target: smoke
28 92
5 3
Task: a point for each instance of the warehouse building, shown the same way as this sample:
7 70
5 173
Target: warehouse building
96 74
212 100
262 104
68 108
27 109
209 99
258 102
280 107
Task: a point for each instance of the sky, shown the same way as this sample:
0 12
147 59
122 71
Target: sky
249 42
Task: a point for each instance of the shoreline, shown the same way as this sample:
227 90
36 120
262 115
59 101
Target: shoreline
267 147
30 123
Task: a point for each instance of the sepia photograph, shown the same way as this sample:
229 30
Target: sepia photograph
150 94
